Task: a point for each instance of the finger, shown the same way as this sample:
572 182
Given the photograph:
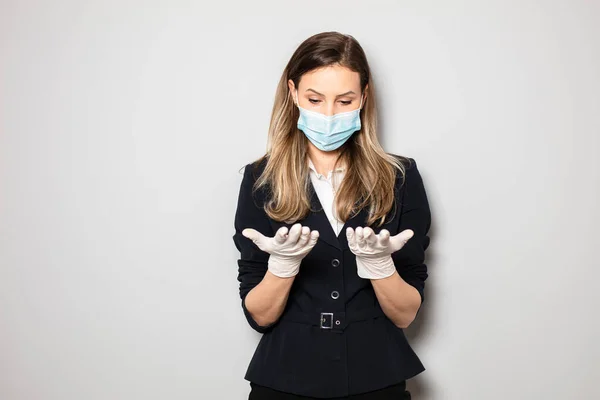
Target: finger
358 233
253 235
281 235
349 233
314 236
398 241
294 234
351 237
384 237
360 239
369 235
304 235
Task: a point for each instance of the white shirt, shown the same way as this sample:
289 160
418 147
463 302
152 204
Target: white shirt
326 187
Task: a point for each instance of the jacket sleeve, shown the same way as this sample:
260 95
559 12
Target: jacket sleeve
415 215
252 264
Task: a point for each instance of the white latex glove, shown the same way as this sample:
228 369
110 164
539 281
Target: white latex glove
286 249
373 251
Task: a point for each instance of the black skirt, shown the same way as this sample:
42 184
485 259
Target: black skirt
394 392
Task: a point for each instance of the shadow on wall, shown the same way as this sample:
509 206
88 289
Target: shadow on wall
418 331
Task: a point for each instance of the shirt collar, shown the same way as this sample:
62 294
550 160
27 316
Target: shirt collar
312 166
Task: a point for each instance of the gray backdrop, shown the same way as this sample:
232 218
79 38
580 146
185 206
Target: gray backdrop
124 125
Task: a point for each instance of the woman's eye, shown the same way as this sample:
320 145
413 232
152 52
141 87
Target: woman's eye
317 101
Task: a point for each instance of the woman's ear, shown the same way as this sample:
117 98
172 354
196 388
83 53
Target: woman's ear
292 89
366 92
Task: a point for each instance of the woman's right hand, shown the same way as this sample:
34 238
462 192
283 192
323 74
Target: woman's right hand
286 249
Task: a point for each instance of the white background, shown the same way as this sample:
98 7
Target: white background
123 128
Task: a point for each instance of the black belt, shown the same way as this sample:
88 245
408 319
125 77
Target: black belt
333 319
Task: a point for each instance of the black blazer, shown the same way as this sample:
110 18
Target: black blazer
333 338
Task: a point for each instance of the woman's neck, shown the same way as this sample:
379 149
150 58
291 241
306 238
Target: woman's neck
323 160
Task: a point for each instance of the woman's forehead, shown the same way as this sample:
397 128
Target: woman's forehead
330 80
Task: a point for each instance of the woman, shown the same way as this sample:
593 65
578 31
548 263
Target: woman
332 232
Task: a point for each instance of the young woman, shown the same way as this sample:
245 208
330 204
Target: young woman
332 232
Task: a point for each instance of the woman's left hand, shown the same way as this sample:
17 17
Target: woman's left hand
373 251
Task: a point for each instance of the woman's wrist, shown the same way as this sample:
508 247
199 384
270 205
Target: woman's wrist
375 267
283 267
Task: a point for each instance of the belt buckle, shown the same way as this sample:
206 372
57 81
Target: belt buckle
324 320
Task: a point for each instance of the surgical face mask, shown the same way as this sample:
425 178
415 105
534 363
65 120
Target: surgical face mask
328 133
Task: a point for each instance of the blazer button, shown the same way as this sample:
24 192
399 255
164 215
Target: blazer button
335 262
335 294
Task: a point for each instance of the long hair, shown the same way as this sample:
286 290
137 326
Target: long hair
370 171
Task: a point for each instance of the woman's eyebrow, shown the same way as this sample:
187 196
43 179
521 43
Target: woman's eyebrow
339 95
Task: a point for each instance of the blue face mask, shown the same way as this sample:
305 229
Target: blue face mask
328 133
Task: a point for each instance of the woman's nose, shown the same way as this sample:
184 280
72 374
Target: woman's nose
330 109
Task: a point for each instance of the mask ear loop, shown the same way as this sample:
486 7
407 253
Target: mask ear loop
361 102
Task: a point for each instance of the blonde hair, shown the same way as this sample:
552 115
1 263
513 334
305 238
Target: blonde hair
370 171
